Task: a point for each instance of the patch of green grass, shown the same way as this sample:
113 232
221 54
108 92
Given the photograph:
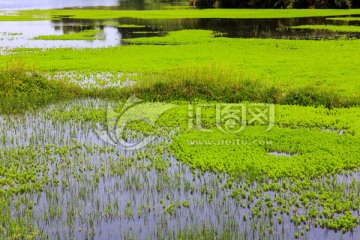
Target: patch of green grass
185 7
23 88
83 35
129 26
346 19
18 81
145 32
292 66
33 15
120 25
332 28
309 134
176 38
247 153
214 83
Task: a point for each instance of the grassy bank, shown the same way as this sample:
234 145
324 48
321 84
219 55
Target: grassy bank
332 28
282 71
18 80
346 19
203 83
214 83
35 15
21 88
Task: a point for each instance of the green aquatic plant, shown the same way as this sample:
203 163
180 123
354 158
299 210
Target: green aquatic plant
22 88
332 28
259 69
17 81
346 19
82 35
38 15
215 83
176 38
64 166
247 153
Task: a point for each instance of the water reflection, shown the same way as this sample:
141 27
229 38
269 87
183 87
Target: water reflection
135 198
16 35
250 28
11 5
51 4
21 34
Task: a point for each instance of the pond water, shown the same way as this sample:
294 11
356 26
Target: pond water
98 191
22 34
15 37
10 5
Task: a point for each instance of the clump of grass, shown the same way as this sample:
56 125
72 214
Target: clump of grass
201 83
209 83
315 96
23 88
213 83
17 81
331 28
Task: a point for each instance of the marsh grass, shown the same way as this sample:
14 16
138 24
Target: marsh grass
21 87
56 183
331 28
311 95
37 15
215 83
18 80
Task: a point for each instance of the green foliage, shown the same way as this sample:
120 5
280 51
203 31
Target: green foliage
332 28
38 15
116 24
177 38
279 71
23 88
17 82
83 35
60 158
345 19
344 222
214 83
247 154
289 4
304 132
202 3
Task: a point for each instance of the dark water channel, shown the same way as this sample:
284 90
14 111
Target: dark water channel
234 28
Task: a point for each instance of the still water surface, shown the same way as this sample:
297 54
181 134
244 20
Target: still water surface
50 4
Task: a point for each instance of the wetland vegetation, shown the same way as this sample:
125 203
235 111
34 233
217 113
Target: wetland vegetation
59 179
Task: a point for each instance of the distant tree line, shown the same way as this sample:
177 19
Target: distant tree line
276 3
